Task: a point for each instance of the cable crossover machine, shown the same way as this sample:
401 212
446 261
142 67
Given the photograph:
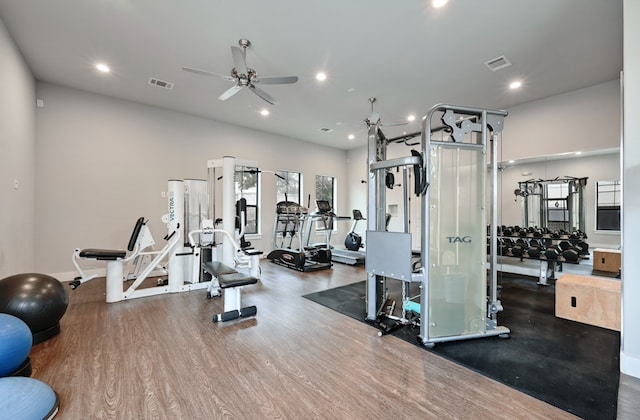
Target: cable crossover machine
458 290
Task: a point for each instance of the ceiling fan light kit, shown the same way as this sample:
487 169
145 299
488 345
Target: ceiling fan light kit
244 76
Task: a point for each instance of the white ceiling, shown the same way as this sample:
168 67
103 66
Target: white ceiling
405 53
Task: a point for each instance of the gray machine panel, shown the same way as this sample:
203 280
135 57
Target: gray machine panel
389 254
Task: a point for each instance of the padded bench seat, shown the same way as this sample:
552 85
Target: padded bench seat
103 254
235 280
216 268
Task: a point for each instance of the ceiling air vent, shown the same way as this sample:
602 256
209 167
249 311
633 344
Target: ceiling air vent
326 130
161 83
498 63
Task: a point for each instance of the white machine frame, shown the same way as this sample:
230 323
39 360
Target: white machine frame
181 278
234 267
185 266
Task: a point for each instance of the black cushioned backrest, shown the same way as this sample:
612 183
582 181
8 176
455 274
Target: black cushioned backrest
135 234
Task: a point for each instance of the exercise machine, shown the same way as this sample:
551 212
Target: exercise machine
175 254
231 266
458 300
353 243
544 203
294 221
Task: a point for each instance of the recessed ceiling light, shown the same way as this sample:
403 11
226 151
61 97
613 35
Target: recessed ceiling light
264 112
411 117
515 85
351 137
438 3
103 68
512 161
321 76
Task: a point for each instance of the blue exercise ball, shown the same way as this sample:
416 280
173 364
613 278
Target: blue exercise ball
27 398
15 343
38 299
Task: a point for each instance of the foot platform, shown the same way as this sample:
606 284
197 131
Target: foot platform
235 314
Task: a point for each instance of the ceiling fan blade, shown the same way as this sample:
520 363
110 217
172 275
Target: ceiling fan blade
264 95
208 73
239 60
276 80
393 124
230 92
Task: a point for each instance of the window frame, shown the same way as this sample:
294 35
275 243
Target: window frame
279 181
562 190
240 192
616 205
319 227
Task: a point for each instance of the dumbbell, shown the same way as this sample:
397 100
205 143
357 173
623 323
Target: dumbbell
519 248
564 245
571 255
504 246
552 253
584 247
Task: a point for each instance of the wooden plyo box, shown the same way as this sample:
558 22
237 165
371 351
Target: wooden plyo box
607 260
590 300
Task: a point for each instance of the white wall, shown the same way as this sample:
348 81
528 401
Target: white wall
103 162
582 120
356 173
17 148
630 352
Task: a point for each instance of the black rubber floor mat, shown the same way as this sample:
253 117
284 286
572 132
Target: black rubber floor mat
570 365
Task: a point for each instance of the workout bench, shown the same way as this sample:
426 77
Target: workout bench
231 282
115 258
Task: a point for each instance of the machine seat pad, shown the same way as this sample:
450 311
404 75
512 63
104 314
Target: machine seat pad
252 252
216 268
103 254
235 280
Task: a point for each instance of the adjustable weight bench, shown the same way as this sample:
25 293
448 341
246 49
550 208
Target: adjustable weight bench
231 283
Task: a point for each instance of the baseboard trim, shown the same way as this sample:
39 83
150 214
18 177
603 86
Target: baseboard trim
629 365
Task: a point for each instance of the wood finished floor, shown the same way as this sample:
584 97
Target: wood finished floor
161 357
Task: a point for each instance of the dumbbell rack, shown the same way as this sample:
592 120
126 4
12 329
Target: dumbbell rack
520 243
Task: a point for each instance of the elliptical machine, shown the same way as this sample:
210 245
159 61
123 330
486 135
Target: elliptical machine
353 241
292 219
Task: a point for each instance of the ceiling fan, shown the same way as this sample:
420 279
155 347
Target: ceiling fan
245 76
374 118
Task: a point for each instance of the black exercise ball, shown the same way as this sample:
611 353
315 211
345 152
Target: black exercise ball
37 299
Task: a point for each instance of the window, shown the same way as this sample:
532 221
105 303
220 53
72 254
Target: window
556 205
325 190
288 186
608 195
247 186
